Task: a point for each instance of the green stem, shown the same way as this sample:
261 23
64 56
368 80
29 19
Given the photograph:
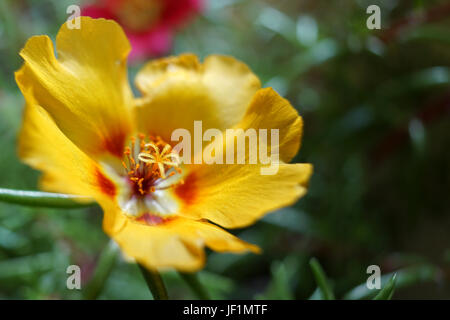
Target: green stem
105 265
44 199
154 283
196 286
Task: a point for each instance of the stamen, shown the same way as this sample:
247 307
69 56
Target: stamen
154 161
166 148
133 141
171 186
161 170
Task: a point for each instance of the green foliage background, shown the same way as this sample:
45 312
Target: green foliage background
376 111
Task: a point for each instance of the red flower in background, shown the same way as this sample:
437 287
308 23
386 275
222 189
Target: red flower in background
149 24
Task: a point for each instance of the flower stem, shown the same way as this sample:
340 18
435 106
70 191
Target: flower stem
44 199
105 265
154 283
196 286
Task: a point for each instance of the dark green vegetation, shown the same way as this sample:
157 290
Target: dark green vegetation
376 111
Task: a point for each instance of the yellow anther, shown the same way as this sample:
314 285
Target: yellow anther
154 160
166 148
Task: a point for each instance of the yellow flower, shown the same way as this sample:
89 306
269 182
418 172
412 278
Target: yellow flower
90 136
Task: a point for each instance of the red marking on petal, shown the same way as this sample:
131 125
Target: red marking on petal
106 185
115 143
188 190
152 220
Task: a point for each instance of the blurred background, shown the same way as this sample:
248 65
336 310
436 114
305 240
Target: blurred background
376 106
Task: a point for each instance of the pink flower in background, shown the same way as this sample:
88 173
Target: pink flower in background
149 24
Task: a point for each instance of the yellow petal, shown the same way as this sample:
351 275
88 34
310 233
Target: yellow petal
270 111
177 243
85 89
235 196
179 90
66 168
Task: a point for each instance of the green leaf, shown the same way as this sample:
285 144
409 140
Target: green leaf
44 199
316 295
282 274
23 266
388 291
321 279
11 240
290 219
219 287
280 23
404 278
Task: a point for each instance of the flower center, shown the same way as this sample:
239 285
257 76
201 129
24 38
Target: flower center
138 15
152 167
155 162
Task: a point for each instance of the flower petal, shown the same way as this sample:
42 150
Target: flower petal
179 90
85 90
66 168
235 196
268 110
176 243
